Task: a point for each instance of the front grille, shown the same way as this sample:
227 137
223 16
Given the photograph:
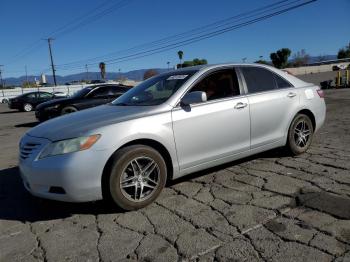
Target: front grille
27 149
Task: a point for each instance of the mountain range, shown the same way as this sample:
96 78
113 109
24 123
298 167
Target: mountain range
136 75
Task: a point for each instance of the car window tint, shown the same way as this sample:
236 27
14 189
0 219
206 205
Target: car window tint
258 79
221 84
45 95
99 92
32 95
115 90
281 83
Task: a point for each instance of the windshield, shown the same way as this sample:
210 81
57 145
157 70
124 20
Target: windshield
81 92
155 90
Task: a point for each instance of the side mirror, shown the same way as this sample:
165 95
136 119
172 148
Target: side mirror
194 98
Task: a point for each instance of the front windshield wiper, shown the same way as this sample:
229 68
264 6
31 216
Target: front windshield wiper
121 104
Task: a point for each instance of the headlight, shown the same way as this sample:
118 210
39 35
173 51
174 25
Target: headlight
69 146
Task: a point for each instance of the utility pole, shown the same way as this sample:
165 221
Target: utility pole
25 68
168 63
2 83
52 64
87 72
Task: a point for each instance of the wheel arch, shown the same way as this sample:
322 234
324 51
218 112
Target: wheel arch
309 113
144 141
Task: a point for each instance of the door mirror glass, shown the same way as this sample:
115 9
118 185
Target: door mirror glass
194 98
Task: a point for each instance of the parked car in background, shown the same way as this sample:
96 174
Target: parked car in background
28 101
338 67
4 100
170 125
87 97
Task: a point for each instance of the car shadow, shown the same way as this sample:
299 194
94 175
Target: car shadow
17 204
30 124
273 153
10 112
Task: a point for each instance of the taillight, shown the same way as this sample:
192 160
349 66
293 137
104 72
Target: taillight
320 93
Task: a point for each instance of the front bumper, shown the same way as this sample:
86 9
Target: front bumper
46 114
77 175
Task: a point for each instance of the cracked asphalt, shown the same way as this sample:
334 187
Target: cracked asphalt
269 207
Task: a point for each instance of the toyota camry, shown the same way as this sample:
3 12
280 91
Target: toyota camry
170 125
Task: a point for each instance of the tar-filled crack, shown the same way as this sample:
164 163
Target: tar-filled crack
100 232
38 245
254 247
296 241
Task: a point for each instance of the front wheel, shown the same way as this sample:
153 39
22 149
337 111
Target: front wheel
300 134
68 110
137 177
27 107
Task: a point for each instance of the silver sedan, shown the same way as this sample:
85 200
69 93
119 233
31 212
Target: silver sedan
171 125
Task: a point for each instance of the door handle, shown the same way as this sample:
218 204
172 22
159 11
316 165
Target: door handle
291 94
240 105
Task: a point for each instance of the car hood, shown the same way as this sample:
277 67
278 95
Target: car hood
84 122
53 102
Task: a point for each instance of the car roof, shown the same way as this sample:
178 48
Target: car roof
292 79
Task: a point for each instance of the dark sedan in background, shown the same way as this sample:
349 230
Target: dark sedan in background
27 102
87 97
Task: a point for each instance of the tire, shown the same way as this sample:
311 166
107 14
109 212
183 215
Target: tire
27 107
68 110
5 101
126 167
300 135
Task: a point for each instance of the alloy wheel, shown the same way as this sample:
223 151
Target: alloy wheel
302 133
140 179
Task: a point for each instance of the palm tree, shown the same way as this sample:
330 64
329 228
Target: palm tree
102 67
180 54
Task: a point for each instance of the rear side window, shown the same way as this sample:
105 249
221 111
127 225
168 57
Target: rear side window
31 95
258 79
281 83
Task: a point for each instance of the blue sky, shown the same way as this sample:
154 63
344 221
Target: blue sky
320 28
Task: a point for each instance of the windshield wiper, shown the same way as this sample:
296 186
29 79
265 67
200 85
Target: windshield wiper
121 104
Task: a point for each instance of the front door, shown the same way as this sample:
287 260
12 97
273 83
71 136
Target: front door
214 129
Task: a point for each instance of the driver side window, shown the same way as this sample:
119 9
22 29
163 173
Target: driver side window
100 92
218 85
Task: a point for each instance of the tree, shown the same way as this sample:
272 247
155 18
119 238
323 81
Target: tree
261 61
102 67
149 73
280 58
194 62
344 52
180 54
301 58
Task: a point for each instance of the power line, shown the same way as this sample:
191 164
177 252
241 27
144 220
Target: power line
185 34
198 38
73 25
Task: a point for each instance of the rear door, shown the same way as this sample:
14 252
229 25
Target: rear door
214 129
272 102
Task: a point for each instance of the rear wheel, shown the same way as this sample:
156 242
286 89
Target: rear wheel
300 134
68 110
27 107
137 177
